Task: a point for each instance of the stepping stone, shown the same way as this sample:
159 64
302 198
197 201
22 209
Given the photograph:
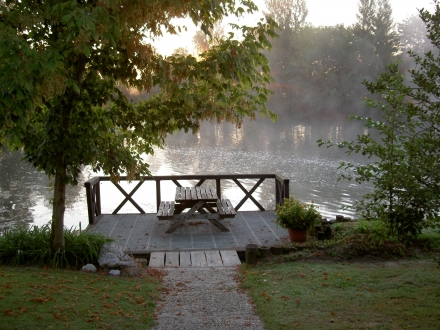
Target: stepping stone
157 259
172 259
184 259
198 259
213 259
230 258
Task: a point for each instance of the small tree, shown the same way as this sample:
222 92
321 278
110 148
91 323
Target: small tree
61 65
404 164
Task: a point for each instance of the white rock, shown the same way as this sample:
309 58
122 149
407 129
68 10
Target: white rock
115 272
90 268
114 248
112 256
108 260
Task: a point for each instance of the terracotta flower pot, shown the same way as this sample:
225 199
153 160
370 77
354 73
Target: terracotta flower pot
297 235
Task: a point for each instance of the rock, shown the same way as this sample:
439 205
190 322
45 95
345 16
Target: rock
112 256
89 268
127 258
115 272
108 260
142 262
114 248
130 271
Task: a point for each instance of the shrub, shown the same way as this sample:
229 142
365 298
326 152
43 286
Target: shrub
31 246
296 215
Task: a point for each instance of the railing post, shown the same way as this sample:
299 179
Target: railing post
93 193
97 193
158 198
281 190
218 188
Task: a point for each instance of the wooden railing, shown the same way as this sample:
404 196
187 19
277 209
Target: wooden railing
94 194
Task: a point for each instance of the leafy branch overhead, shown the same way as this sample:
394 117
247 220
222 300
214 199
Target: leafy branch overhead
63 62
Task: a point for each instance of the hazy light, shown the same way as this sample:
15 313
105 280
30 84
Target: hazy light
321 13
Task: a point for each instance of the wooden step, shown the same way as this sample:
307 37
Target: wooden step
183 259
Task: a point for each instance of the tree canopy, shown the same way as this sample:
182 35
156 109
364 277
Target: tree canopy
62 63
403 163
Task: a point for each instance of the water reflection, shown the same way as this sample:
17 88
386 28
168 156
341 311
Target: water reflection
25 195
288 149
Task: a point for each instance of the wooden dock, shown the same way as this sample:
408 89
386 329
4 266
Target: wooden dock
193 259
145 234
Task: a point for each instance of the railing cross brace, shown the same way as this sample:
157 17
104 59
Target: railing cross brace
128 197
249 194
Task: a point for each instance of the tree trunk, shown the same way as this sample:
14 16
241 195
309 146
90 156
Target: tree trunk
59 206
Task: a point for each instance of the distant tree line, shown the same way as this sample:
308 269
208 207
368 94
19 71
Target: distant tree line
319 70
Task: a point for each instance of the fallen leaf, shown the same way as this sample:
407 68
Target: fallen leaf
8 312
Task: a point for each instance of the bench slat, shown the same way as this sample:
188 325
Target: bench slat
225 208
166 210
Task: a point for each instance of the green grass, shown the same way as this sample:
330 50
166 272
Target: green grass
326 295
38 298
362 278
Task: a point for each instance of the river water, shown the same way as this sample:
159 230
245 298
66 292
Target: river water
285 148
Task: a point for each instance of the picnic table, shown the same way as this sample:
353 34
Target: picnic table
202 202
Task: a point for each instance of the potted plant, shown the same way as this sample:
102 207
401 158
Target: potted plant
297 218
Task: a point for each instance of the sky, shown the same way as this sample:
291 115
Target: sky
321 12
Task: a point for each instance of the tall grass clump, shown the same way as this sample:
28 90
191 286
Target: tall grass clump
31 246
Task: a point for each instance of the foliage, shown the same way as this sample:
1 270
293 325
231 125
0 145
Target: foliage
318 70
404 156
37 298
289 14
31 246
62 65
295 215
332 295
414 36
202 42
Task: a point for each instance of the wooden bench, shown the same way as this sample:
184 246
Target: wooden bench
166 210
225 208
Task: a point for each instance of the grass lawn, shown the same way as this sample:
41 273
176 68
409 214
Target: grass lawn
38 298
342 295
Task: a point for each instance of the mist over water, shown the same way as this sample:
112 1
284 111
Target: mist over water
285 148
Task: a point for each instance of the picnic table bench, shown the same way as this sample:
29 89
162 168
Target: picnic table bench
203 200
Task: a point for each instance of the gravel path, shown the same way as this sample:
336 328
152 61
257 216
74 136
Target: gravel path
205 298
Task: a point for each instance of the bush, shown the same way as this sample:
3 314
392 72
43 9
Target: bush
31 246
296 215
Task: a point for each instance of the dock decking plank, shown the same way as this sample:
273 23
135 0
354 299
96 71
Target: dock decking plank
157 259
